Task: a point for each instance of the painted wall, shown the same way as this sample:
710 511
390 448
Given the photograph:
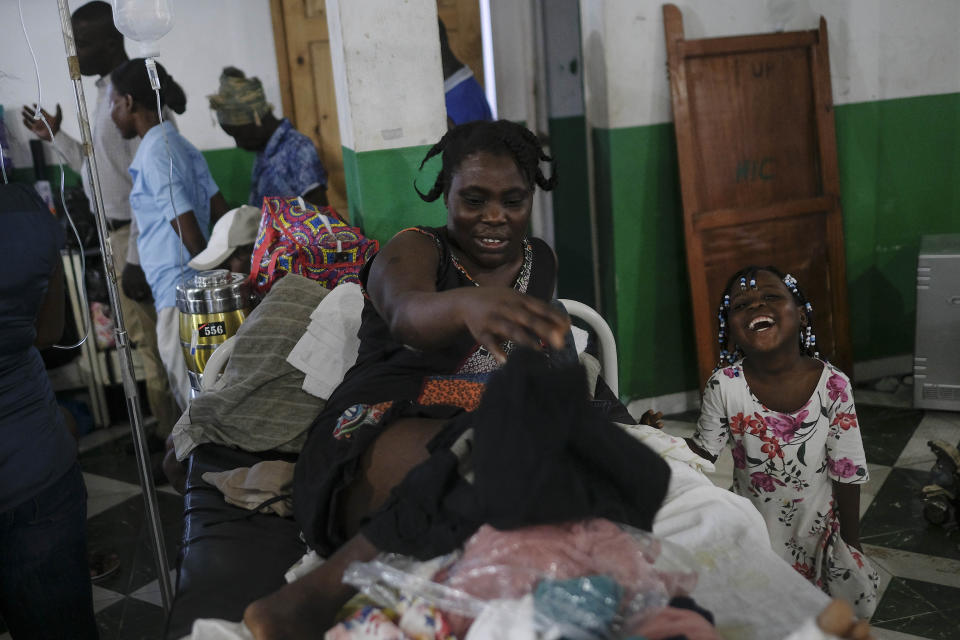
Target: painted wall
191 52
390 111
895 77
573 236
895 80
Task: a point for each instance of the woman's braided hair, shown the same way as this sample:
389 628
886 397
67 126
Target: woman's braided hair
501 137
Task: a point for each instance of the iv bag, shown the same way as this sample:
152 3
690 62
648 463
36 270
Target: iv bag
144 21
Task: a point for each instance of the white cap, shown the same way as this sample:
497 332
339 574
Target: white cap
237 227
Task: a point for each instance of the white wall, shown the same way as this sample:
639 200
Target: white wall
564 67
384 101
207 35
879 49
513 55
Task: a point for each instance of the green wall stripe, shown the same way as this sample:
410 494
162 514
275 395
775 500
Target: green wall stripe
899 161
380 190
70 177
646 297
231 169
571 209
898 165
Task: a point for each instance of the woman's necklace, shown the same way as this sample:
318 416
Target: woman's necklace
522 279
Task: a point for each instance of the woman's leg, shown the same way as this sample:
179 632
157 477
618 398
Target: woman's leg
306 608
45 589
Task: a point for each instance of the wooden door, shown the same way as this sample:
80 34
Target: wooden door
306 84
756 146
302 42
462 20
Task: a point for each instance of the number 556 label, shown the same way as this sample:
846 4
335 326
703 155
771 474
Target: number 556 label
211 329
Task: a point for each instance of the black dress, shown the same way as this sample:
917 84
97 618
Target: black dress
391 380
522 445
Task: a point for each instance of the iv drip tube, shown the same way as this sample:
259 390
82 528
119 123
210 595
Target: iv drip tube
123 343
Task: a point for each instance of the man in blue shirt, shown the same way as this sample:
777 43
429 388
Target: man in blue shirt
464 97
287 163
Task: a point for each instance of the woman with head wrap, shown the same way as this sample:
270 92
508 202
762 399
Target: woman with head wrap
287 163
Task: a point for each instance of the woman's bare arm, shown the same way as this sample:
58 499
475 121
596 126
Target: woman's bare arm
402 287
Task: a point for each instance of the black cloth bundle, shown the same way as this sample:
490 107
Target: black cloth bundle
534 452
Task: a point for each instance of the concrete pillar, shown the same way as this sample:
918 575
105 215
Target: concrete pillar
520 82
514 59
389 84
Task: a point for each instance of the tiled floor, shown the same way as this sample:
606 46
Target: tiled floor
127 604
919 562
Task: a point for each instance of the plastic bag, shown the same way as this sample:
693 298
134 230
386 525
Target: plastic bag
588 579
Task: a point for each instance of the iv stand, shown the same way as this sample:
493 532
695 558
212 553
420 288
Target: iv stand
123 344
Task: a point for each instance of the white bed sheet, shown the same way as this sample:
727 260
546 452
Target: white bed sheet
753 593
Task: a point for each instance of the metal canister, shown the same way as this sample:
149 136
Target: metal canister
213 304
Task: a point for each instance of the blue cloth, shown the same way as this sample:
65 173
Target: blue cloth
45 590
464 97
35 446
586 606
161 250
288 166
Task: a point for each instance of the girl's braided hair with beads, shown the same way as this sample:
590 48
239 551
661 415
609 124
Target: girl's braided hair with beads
501 137
747 277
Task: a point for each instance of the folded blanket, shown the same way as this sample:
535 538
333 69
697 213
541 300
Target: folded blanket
329 346
266 487
259 403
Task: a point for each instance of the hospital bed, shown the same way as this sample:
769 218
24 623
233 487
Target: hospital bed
230 556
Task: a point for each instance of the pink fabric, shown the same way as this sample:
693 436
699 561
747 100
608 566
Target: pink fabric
670 622
508 564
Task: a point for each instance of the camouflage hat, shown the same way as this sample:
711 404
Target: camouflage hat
240 100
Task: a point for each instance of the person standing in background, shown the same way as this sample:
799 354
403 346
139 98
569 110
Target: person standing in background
45 589
99 51
174 199
462 93
287 163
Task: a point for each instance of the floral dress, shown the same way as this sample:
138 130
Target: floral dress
786 464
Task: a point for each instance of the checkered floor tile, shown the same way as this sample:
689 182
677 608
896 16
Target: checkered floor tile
127 604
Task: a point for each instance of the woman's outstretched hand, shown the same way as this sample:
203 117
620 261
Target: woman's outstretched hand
494 315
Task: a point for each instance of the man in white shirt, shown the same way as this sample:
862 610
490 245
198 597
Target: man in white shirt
99 51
